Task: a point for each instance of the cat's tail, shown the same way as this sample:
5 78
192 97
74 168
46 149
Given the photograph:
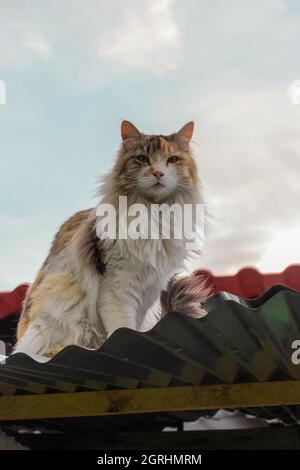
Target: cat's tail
185 295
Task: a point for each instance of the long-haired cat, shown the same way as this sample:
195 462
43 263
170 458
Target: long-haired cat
88 286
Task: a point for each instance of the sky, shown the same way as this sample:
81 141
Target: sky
73 69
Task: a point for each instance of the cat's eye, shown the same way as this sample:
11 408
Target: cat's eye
143 159
173 159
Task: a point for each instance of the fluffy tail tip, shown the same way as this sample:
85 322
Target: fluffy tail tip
185 295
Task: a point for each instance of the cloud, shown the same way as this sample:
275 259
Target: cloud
21 43
37 44
281 250
250 162
123 34
146 37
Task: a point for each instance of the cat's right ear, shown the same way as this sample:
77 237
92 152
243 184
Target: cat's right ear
129 131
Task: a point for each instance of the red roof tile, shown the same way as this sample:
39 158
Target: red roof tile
249 282
11 302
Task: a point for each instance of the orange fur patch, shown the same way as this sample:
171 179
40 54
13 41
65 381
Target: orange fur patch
54 350
53 287
27 304
67 230
32 304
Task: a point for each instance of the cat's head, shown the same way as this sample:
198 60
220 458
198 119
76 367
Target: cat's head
155 166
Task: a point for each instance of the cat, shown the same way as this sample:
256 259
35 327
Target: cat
89 286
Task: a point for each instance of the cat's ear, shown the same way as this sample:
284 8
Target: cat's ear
184 135
129 131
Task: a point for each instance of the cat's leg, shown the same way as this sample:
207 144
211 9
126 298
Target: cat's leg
152 316
119 302
117 310
125 298
46 339
57 317
34 341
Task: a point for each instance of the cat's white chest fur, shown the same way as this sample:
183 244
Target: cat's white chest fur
136 272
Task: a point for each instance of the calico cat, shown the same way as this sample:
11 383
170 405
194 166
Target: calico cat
89 286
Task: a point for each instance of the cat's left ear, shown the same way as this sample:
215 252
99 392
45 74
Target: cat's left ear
184 135
129 131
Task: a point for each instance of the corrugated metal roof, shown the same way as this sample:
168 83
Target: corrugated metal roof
238 341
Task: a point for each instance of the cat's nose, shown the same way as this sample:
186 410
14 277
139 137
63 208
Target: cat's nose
157 174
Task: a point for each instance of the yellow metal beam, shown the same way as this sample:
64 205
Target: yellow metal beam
117 402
